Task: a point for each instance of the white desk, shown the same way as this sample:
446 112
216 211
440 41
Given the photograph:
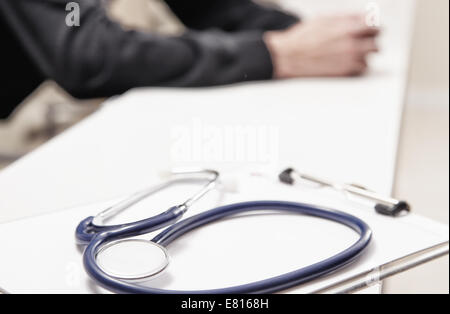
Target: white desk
345 129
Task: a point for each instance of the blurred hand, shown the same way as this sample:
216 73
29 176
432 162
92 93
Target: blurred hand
326 46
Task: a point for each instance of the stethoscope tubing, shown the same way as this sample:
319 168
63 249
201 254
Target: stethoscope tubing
270 285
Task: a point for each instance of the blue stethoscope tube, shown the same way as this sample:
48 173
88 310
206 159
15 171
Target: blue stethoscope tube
98 238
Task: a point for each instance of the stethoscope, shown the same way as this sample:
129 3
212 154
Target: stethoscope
101 240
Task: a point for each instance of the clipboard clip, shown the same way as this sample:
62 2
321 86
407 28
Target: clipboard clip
383 205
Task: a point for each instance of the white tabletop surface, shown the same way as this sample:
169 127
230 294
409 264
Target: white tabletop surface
344 129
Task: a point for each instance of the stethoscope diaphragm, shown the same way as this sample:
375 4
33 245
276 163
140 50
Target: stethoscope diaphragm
132 259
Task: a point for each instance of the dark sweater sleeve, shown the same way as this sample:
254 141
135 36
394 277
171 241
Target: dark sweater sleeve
101 59
230 15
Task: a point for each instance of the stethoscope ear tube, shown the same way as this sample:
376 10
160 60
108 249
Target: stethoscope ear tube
86 230
270 285
83 234
89 227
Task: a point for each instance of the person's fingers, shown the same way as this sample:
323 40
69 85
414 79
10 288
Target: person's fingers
366 31
367 45
349 17
362 62
363 30
358 27
357 48
357 67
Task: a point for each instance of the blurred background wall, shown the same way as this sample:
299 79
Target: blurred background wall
423 161
430 53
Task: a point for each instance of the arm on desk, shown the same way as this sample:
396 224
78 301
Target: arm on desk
100 58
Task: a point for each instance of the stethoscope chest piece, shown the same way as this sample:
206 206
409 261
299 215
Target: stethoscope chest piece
132 259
